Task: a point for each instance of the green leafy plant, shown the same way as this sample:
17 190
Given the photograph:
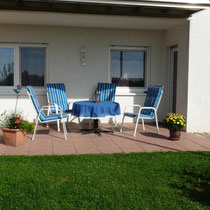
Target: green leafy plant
174 122
15 121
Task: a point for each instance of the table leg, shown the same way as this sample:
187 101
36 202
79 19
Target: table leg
95 129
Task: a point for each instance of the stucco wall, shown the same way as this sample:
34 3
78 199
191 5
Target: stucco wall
199 73
180 36
64 44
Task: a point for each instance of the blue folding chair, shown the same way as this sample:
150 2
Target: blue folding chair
41 117
106 91
56 96
149 110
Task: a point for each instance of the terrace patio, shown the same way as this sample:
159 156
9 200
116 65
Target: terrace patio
50 142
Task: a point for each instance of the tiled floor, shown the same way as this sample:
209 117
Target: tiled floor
49 142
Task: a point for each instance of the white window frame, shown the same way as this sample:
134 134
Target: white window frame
5 89
17 67
132 90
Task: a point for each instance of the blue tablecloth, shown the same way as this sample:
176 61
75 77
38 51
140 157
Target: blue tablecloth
95 110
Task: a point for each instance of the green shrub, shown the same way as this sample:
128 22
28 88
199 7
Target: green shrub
15 121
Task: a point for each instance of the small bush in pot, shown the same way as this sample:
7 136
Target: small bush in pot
15 128
175 123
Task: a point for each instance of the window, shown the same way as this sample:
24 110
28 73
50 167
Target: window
128 67
22 64
6 67
32 64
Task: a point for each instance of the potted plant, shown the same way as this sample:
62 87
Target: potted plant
15 128
175 123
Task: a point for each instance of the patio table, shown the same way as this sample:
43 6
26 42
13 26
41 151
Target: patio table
95 111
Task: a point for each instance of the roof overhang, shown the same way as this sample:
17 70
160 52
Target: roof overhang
87 20
141 8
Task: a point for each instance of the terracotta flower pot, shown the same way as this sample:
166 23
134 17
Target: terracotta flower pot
175 135
14 137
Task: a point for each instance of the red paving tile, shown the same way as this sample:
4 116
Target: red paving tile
200 140
48 142
21 150
107 146
61 147
84 145
127 145
41 145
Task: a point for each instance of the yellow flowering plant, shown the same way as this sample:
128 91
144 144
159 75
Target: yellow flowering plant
174 122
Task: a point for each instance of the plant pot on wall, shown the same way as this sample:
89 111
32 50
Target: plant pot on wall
174 135
14 137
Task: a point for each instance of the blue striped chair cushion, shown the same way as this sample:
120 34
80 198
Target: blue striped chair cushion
54 117
57 94
42 116
129 114
107 91
152 100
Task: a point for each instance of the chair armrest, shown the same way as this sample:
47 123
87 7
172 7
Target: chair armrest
144 107
52 106
46 108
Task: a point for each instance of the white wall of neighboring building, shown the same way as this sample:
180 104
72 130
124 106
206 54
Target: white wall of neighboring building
64 45
199 73
180 36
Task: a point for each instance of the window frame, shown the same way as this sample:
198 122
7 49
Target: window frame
17 66
129 90
10 46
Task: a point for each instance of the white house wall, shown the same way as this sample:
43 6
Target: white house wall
180 36
199 73
64 44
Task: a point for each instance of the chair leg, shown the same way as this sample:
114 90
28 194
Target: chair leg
79 123
35 128
64 130
48 112
143 124
122 123
58 125
157 123
67 123
137 121
115 123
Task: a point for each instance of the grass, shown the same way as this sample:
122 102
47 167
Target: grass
168 180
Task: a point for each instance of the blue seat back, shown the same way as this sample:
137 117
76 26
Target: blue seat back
57 94
153 98
35 102
107 91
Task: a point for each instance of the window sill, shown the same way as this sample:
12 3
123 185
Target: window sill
10 92
130 94
126 91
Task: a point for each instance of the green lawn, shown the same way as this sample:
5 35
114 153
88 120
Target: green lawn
179 180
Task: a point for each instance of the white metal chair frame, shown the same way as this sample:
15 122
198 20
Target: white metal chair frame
57 111
142 118
46 108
